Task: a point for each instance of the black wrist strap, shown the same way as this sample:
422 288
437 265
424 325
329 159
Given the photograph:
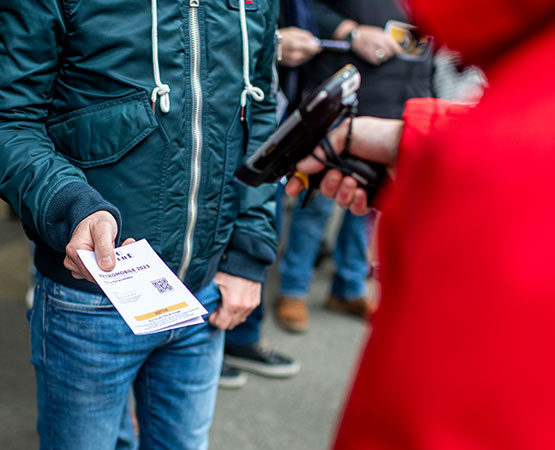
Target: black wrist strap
333 160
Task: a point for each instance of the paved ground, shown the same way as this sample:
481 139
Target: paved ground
297 414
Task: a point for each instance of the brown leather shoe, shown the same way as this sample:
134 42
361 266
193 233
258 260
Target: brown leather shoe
292 314
360 307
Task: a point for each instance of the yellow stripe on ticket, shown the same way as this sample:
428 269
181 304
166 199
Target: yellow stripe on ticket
160 311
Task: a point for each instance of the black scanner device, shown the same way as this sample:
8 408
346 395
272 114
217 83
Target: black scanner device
306 128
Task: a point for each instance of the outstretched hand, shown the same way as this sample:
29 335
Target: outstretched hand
372 139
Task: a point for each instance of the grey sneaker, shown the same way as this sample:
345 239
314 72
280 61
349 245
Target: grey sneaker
261 360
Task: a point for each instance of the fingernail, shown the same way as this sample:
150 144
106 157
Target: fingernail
106 262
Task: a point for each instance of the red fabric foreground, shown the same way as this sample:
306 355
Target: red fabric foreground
461 355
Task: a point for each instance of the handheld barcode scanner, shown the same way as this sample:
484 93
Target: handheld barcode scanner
306 128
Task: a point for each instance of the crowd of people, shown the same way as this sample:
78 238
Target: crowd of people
120 123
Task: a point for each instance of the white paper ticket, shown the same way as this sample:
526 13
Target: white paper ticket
147 294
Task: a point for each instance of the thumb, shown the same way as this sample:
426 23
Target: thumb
103 235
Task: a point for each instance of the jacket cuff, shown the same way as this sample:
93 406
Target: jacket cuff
423 117
247 257
69 206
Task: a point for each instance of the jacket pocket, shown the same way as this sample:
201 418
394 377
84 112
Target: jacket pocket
123 152
102 134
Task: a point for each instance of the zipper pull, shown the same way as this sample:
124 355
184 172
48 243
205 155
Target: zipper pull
194 3
279 46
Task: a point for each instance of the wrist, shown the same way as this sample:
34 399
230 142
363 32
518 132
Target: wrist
377 139
344 29
353 36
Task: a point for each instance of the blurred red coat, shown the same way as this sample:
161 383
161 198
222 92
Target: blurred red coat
462 355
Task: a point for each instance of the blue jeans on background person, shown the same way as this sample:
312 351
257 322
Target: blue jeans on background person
306 231
351 257
87 359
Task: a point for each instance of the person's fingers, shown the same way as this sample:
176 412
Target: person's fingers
73 268
128 241
380 54
70 264
73 263
393 46
94 233
338 136
102 236
345 192
78 276
330 183
308 45
226 319
298 46
294 186
310 164
217 319
224 316
359 204
381 48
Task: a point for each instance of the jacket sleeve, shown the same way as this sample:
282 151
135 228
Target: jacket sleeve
254 240
49 194
423 117
328 17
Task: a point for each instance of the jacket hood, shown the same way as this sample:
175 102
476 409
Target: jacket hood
482 29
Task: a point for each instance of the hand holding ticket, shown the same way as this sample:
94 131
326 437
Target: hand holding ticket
147 294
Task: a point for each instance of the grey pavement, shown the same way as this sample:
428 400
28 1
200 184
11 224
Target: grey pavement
299 413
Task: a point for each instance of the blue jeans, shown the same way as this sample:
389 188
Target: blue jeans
306 231
87 359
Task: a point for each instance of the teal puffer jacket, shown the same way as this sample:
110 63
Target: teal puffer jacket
79 132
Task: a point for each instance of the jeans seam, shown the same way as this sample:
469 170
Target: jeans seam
43 326
49 429
147 403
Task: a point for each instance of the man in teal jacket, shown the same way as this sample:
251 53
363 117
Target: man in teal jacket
120 119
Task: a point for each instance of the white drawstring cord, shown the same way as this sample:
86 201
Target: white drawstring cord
255 92
161 90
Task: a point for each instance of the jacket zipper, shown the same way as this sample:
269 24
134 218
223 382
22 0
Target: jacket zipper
196 129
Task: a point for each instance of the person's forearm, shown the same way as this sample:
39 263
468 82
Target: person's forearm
378 139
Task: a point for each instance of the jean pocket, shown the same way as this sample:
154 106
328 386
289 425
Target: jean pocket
69 299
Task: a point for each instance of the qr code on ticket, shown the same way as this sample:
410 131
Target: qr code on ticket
162 285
